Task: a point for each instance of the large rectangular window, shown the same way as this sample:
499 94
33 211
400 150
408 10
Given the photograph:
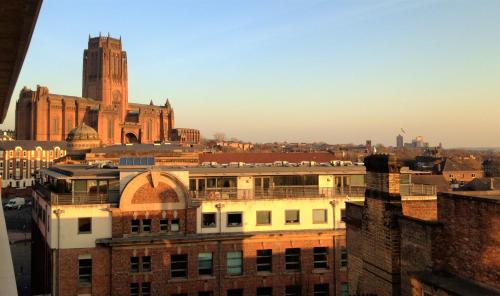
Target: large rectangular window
134 264
146 225
263 217
320 255
265 260
320 216
84 225
85 271
205 263
134 226
344 289
292 216
146 263
234 219
178 265
343 257
235 292
134 289
235 263
292 259
146 289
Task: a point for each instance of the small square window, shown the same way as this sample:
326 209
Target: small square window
146 225
208 220
320 216
146 263
134 264
84 225
134 226
292 216
234 219
263 217
163 225
174 225
320 255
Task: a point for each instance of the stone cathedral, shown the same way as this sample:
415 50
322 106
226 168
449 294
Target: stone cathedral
104 105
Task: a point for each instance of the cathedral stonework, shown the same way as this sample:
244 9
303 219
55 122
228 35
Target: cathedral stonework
104 106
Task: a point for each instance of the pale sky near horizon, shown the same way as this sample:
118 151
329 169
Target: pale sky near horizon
295 70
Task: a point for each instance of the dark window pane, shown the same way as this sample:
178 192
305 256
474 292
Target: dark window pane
292 259
85 271
321 290
134 226
146 225
134 289
208 220
264 291
264 260
320 255
163 225
178 265
146 263
234 219
293 290
235 292
134 264
205 263
84 225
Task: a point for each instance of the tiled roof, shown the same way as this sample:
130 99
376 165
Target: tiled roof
451 164
292 157
31 144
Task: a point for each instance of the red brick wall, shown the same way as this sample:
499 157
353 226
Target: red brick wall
470 238
68 271
421 209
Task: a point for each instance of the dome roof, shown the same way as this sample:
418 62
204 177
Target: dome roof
83 132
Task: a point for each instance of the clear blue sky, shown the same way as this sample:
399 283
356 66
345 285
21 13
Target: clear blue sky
296 70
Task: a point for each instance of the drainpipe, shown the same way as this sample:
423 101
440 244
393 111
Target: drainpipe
333 203
219 207
58 213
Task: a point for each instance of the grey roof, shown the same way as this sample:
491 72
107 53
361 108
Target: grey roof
31 144
143 148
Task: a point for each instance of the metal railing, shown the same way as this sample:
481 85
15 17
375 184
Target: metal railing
75 199
417 190
278 192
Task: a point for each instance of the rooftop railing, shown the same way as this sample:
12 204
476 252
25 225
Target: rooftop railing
75 199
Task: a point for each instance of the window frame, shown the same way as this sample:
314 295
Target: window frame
264 266
203 220
322 263
80 219
324 211
296 263
298 217
184 263
234 213
232 265
270 218
134 264
200 267
83 276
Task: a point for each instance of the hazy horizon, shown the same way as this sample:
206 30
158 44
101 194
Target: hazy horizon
300 71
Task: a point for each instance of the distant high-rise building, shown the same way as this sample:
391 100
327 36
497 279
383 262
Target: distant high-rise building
399 141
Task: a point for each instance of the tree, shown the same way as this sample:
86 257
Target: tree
219 136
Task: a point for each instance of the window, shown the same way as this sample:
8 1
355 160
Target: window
234 219
163 225
473 175
208 220
205 263
178 265
134 226
174 225
263 217
146 225
84 225
264 291
344 289
293 290
146 289
146 263
206 293
343 257
319 216
134 289
292 259
320 255
321 290
235 292
134 264
85 271
292 216
234 263
264 260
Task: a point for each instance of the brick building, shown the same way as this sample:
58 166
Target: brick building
149 230
21 160
104 105
427 247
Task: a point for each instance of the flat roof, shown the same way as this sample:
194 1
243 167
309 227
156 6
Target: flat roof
490 195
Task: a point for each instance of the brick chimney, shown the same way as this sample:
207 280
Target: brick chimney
382 175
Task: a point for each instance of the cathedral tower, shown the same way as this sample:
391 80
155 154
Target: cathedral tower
105 75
